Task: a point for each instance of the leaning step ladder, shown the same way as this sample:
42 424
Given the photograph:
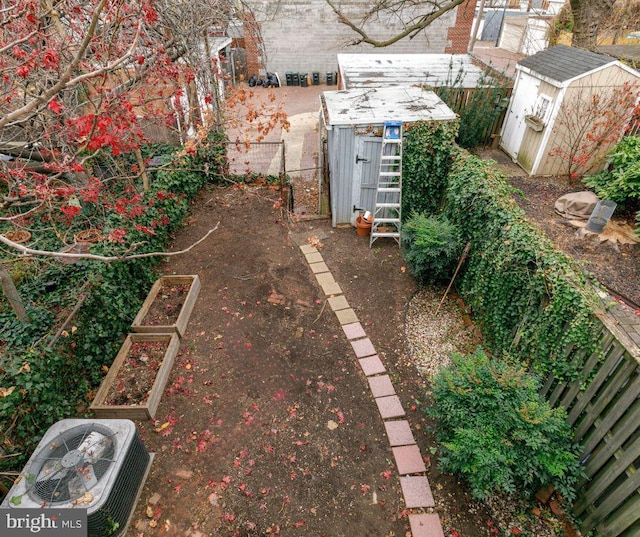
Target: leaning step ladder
387 213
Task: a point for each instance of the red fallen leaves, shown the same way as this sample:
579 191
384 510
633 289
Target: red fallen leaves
55 106
299 524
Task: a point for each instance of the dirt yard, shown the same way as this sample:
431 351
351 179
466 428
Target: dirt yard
245 437
267 426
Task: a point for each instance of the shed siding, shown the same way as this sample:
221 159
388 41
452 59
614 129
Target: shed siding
603 82
341 157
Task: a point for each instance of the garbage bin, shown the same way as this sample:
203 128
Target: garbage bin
329 77
601 215
303 79
295 78
316 78
289 76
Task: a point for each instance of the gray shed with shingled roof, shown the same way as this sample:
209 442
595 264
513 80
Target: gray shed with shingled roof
549 88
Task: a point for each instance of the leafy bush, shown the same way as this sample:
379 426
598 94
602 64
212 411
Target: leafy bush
620 182
432 247
478 108
497 432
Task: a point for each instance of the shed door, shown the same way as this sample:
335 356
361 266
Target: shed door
365 174
522 102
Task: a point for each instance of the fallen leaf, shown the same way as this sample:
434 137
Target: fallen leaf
87 498
162 427
331 425
5 392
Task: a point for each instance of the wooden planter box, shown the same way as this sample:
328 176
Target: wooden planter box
153 317
120 372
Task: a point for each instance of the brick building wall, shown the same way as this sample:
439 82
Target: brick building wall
303 36
460 33
252 45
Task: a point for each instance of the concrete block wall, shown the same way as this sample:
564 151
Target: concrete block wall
303 36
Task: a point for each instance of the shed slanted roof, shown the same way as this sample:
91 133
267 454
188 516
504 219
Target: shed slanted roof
374 106
386 70
562 63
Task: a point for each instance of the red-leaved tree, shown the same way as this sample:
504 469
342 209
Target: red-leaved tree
589 124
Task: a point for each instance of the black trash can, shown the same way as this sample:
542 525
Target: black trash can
303 79
295 79
289 78
329 79
316 78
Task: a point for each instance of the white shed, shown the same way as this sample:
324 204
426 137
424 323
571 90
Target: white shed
352 122
551 89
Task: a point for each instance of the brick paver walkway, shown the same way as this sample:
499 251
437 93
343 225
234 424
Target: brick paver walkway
409 461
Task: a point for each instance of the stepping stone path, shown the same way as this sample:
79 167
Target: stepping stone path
411 468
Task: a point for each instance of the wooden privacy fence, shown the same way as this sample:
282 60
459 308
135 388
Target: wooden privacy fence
459 98
603 406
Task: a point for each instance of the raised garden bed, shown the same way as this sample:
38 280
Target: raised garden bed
168 305
134 384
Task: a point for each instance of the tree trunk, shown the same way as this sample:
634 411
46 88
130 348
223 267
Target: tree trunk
10 291
587 17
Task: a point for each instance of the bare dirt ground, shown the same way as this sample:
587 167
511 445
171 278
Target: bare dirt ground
616 266
245 437
243 440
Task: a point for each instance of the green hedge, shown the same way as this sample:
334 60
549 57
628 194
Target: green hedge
42 385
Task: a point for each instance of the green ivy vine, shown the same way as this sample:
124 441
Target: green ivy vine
427 156
530 299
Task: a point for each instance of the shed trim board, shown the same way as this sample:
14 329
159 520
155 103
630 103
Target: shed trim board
352 121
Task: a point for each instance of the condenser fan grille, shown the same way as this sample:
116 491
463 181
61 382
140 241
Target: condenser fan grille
73 464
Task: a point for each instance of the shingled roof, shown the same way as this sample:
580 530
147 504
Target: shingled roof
562 63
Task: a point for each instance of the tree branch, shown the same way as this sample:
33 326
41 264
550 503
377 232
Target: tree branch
46 253
409 31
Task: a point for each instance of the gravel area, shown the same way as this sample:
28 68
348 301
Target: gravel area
431 340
